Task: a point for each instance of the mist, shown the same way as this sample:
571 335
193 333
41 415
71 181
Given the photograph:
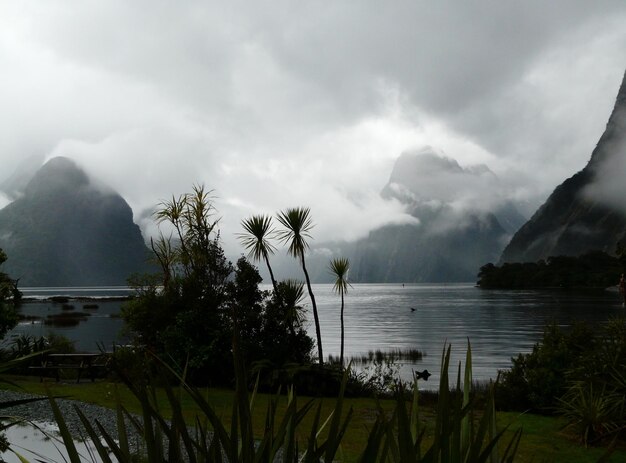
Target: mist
609 186
309 105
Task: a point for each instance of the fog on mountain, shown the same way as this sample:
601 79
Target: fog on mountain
585 212
65 231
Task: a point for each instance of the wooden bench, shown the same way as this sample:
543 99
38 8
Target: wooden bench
87 362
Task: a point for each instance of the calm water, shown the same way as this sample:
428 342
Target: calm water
499 324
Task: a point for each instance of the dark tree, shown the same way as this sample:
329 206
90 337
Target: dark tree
9 298
190 311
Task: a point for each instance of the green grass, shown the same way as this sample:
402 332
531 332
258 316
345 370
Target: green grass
542 441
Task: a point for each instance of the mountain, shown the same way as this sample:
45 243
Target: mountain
454 230
587 211
64 230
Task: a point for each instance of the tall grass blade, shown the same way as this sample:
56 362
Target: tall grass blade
441 443
68 441
493 456
337 428
19 457
311 453
179 429
122 432
511 449
93 435
467 419
405 438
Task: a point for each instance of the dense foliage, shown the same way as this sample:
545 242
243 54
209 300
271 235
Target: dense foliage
579 373
188 311
594 269
9 298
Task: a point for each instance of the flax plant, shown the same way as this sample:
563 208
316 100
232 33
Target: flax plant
456 436
397 438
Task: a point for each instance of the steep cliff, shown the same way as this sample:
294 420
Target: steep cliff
587 211
66 231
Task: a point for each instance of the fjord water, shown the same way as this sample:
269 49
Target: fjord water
499 324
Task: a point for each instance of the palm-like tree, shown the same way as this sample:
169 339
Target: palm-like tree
256 240
298 223
339 268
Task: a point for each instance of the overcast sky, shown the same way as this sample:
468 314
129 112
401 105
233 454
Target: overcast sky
281 103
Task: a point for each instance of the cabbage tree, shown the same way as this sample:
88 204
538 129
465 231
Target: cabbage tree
298 224
258 230
339 268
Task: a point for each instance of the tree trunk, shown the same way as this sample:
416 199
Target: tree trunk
316 317
267 261
342 336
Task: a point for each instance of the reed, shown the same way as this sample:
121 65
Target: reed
391 356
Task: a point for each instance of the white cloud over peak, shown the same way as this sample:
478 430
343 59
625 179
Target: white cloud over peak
276 104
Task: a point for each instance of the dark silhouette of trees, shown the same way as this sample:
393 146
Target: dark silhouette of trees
190 311
9 298
256 240
594 269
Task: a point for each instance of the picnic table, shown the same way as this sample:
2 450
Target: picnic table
79 362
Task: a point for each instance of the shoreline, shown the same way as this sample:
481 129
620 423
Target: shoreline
58 299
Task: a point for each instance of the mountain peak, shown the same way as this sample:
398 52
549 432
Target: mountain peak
59 173
66 231
615 132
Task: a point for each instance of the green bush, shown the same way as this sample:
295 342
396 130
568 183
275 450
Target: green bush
537 379
579 373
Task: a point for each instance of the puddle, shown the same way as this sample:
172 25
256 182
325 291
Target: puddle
39 441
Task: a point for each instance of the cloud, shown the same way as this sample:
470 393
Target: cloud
609 186
276 104
4 200
428 177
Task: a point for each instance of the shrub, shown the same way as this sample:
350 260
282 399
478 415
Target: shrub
538 378
577 373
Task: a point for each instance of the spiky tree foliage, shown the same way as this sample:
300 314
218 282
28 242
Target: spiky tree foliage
190 311
188 318
284 322
258 230
339 268
298 224
292 293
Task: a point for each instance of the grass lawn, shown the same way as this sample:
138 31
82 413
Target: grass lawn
542 439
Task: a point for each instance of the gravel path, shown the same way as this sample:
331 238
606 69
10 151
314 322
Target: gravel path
41 411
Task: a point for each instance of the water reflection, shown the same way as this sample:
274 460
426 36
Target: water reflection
89 324
40 441
499 324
